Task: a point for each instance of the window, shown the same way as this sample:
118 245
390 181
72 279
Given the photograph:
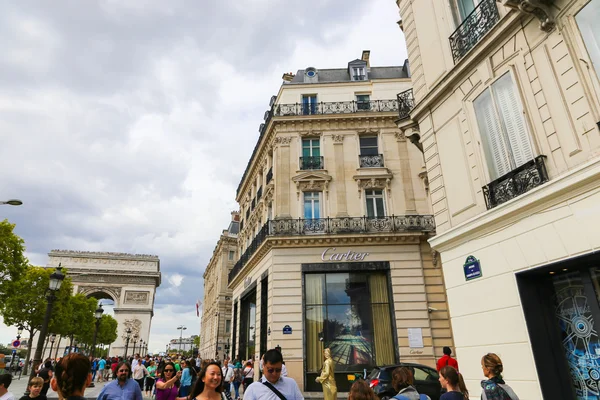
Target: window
506 142
368 146
309 104
363 102
312 205
358 74
231 255
375 203
227 325
587 19
349 313
464 8
311 147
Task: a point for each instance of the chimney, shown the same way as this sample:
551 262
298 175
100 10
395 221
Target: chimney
365 57
235 216
288 76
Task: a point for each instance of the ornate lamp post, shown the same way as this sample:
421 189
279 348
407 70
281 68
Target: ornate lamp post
135 340
56 280
142 348
128 332
181 328
98 316
52 339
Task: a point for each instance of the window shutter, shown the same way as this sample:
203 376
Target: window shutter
511 114
491 134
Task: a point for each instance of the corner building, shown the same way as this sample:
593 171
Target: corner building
334 222
506 110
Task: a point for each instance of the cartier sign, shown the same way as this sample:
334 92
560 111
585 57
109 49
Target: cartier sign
330 254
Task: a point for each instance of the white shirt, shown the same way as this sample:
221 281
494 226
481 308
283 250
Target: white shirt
134 362
287 386
227 373
283 370
7 396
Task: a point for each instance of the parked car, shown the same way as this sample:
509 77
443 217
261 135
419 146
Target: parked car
426 380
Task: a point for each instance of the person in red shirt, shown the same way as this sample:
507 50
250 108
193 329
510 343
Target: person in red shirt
446 360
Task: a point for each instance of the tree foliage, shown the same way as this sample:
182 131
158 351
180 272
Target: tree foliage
13 262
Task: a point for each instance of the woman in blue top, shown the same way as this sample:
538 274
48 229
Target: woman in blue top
452 381
186 380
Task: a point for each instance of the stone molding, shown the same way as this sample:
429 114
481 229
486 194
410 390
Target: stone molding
337 139
311 182
113 291
101 254
136 297
373 182
282 141
368 132
536 8
310 133
134 324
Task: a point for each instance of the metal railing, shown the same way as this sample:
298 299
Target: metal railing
312 162
475 26
406 102
333 226
335 107
517 182
370 161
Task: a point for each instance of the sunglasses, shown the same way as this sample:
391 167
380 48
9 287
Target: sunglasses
271 370
169 370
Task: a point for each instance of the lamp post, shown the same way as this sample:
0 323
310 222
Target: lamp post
135 340
52 339
181 328
128 332
98 316
11 202
142 348
56 280
12 360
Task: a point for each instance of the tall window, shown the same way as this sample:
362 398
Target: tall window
464 8
363 102
311 147
506 142
312 209
358 74
231 255
587 19
368 146
309 104
375 203
227 325
349 313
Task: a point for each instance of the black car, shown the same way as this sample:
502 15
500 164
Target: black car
426 380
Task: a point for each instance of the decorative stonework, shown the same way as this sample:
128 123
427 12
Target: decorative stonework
117 279
134 324
310 133
136 297
114 292
312 182
536 8
95 254
337 139
283 140
373 182
434 257
369 131
400 136
425 179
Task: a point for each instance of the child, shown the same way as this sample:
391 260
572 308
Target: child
35 387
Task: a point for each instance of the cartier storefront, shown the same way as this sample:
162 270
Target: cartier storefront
358 297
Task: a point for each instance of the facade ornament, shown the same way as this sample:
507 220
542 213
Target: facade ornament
312 182
310 133
425 179
134 324
374 182
282 140
114 292
536 8
337 139
368 131
400 136
434 257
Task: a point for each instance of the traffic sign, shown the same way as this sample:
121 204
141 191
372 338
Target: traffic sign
16 343
14 351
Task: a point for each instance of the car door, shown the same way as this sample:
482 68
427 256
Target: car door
427 382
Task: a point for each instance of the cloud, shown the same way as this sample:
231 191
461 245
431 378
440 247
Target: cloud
126 126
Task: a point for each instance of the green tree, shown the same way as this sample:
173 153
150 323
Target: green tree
13 262
107 332
27 305
81 322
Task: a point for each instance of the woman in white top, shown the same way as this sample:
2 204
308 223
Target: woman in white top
248 374
139 373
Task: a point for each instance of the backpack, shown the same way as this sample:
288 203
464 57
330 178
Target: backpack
401 397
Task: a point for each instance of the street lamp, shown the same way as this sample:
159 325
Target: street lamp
181 328
56 280
128 332
135 340
12 360
12 202
141 347
52 339
98 316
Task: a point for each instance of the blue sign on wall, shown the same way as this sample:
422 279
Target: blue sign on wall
472 268
287 330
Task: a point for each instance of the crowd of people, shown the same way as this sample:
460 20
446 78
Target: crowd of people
195 379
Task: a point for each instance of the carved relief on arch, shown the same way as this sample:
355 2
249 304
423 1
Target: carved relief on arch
134 324
114 292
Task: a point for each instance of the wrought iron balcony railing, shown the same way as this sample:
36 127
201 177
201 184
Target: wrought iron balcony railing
371 161
312 162
336 107
333 226
475 26
516 182
406 102
269 175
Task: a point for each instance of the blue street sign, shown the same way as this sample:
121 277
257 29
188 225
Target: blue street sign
16 343
287 330
472 268
14 351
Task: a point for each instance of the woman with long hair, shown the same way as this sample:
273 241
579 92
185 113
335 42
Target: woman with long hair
494 387
403 383
167 385
360 390
209 385
453 382
248 375
186 379
73 373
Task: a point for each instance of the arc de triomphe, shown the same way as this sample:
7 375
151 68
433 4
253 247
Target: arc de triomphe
130 280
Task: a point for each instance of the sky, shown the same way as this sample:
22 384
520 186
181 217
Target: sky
126 126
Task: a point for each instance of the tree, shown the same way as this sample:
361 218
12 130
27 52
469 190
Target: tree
13 262
26 305
81 322
107 332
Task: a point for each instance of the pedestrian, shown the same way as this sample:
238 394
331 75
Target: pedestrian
210 384
94 367
402 382
113 367
5 381
124 388
446 359
72 377
101 366
227 371
186 379
35 388
139 373
494 387
150 378
46 374
274 386
360 390
238 378
453 382
248 375
168 384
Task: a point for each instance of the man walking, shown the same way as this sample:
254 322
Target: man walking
101 366
273 386
124 388
227 376
5 380
446 360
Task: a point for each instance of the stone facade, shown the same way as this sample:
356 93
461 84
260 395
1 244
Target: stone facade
533 225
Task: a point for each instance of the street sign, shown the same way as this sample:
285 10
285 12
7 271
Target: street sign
287 330
472 268
14 351
16 343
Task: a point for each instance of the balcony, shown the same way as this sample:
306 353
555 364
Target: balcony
516 182
375 161
406 102
335 107
334 226
313 162
269 175
473 28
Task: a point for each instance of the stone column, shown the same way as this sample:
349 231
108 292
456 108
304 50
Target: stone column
407 178
282 178
340 175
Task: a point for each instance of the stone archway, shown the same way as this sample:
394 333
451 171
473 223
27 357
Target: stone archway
130 280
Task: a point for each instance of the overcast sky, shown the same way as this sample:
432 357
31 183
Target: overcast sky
126 125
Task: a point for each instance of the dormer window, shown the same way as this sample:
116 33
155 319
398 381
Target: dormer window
358 70
358 74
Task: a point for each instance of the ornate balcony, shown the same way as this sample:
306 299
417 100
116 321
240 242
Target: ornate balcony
516 182
473 28
371 161
308 163
269 175
335 107
406 102
334 226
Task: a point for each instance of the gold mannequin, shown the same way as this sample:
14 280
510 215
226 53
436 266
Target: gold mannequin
327 378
